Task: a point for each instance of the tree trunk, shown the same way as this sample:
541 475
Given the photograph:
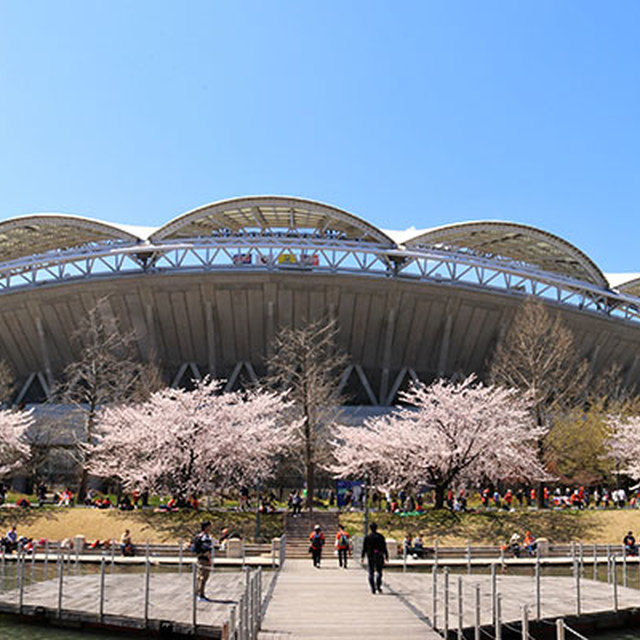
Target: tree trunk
82 486
439 502
308 459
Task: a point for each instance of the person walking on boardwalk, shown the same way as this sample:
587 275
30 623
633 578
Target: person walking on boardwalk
343 545
375 548
316 542
202 546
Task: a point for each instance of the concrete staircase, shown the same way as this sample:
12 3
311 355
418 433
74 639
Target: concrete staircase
298 529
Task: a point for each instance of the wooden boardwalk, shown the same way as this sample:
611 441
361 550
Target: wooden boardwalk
335 603
170 600
309 603
558 597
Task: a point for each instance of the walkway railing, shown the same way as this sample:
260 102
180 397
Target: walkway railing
245 618
454 602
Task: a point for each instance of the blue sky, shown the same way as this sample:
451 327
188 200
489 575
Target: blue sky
414 113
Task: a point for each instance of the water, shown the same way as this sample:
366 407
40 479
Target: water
10 630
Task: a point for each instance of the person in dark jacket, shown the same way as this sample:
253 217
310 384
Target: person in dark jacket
375 548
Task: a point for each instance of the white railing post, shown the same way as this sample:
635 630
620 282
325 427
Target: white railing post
525 622
576 572
494 594
446 603
476 634
60 587
614 578
460 610
434 595
194 598
147 586
46 558
538 591
102 571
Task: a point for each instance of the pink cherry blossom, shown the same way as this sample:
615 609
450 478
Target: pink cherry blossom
13 448
183 442
449 434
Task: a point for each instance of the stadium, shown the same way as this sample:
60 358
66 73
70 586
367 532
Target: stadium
206 293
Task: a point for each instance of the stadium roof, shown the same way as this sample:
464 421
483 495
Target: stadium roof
270 214
279 215
40 233
518 242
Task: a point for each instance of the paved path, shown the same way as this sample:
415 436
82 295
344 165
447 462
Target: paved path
335 603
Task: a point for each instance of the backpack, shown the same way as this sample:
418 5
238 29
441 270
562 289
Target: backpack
196 544
316 541
343 540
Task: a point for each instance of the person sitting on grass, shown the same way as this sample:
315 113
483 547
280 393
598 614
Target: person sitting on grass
65 498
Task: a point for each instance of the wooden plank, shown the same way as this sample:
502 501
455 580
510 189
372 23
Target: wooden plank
336 603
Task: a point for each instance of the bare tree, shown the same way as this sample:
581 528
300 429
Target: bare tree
106 372
538 355
307 363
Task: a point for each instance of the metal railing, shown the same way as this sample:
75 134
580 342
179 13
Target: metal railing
57 586
487 603
318 255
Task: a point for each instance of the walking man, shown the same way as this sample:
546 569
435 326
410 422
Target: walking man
202 546
343 545
316 542
375 548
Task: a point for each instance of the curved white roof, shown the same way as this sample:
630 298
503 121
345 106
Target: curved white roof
264 215
270 214
518 242
42 232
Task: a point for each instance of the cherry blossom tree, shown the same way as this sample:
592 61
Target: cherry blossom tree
13 448
449 434
106 372
623 445
184 442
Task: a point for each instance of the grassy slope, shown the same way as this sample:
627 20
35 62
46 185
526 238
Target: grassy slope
59 523
450 528
607 527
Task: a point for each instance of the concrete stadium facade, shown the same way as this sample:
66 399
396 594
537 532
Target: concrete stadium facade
207 292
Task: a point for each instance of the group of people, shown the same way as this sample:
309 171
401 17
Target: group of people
414 547
13 542
528 544
559 498
374 549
